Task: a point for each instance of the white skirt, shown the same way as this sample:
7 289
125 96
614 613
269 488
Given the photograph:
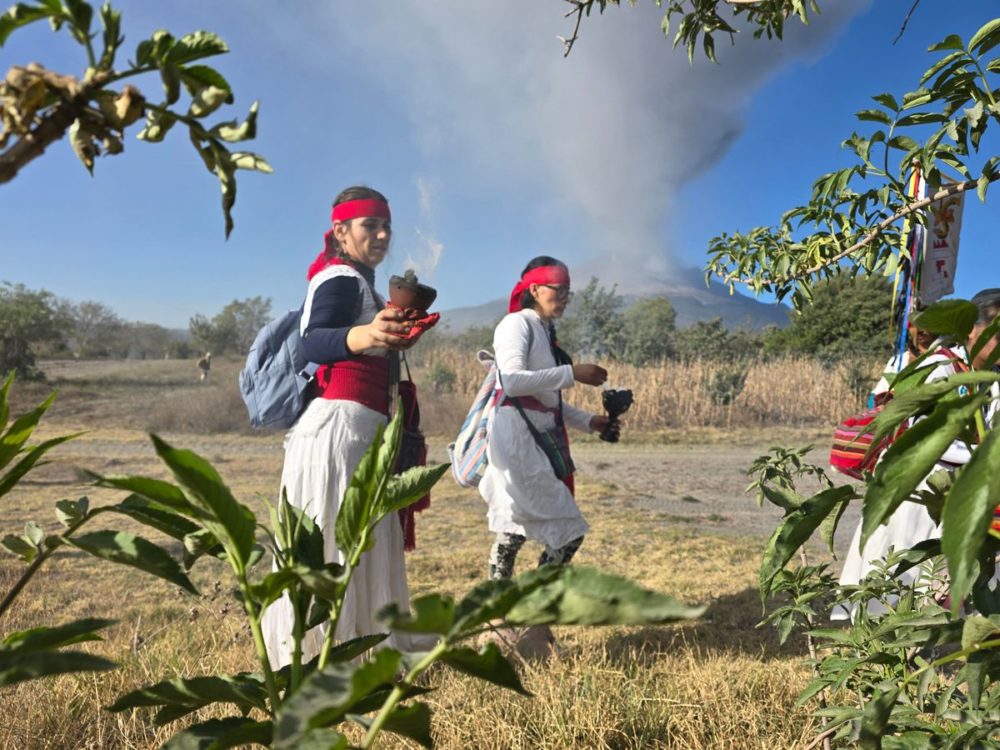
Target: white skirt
908 526
322 451
520 488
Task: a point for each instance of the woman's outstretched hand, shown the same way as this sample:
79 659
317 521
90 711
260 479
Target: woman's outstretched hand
590 374
602 422
389 330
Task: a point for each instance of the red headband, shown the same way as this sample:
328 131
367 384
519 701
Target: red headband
555 275
360 207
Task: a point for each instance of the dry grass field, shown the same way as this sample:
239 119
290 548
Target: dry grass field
668 513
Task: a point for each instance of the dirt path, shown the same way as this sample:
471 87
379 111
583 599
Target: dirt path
699 487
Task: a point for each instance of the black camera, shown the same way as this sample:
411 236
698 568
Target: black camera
616 402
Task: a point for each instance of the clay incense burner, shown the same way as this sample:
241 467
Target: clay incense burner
406 293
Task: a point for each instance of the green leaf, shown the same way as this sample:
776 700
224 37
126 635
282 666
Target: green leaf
977 629
29 460
251 161
941 65
153 514
587 596
412 721
887 100
828 527
18 433
986 38
189 694
387 456
233 132
917 98
198 543
402 490
987 335
491 600
21 15
232 523
207 100
795 531
950 317
4 402
911 457
111 20
16 667
81 15
356 509
921 399
20 547
874 115
270 588
196 46
158 124
784 497
327 583
197 77
968 512
487 664
875 719
157 490
952 41
982 185
70 512
347 650
128 549
326 696
432 613
171 77
45 638
221 734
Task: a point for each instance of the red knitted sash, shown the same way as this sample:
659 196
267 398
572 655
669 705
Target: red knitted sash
364 379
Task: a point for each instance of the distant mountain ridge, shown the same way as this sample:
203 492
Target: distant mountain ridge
685 288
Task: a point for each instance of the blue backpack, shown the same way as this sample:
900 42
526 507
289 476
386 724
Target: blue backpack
275 380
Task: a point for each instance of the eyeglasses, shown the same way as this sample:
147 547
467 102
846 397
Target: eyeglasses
562 292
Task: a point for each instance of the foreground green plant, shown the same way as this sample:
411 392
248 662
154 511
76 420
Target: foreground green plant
921 669
39 106
304 704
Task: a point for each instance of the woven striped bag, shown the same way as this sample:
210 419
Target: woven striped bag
852 452
468 453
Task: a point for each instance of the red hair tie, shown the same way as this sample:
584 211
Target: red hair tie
553 275
361 207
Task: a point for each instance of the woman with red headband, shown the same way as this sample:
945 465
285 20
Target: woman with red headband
528 483
348 329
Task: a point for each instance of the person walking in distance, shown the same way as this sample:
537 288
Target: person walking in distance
204 366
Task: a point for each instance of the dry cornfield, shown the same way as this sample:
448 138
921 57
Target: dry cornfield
794 392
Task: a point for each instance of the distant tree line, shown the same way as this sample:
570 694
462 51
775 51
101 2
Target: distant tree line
36 324
848 320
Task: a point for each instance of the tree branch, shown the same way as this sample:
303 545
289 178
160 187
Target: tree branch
52 127
958 187
33 144
579 6
906 20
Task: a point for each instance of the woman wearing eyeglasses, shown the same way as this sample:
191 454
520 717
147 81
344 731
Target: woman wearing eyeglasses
528 484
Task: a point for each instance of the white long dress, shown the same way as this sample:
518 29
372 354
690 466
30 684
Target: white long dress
522 492
322 451
910 524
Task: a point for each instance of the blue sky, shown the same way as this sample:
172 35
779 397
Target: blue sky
491 147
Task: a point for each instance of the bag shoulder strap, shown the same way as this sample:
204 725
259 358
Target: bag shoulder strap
957 362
